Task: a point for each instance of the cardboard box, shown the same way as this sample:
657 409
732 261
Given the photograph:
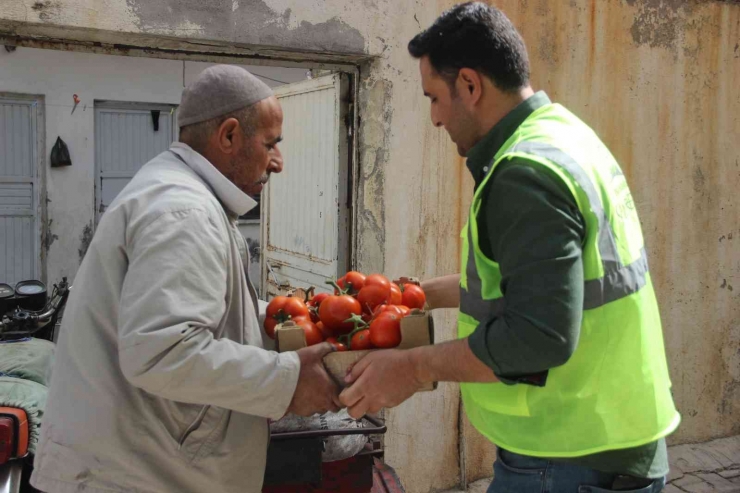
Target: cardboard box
417 329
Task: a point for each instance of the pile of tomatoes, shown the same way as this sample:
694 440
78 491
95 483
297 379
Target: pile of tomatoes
364 312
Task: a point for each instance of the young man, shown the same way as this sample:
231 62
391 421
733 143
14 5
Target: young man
560 352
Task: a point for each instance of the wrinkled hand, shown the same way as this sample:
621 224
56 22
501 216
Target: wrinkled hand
316 392
381 379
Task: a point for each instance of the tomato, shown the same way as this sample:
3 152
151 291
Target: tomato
270 324
360 341
404 310
352 282
385 331
378 280
372 296
316 300
294 307
413 296
355 279
284 308
281 309
334 310
323 329
400 310
341 282
313 334
313 306
275 306
396 297
301 319
337 345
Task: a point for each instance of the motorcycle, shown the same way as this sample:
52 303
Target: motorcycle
28 323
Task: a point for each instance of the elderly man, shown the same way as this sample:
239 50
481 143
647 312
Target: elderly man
160 382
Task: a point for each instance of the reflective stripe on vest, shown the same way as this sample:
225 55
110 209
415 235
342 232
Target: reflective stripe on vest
618 281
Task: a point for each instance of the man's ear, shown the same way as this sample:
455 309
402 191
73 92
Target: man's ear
470 83
225 135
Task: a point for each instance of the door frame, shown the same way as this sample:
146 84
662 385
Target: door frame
42 225
100 104
348 163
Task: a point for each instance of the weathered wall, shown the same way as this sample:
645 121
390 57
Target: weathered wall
658 80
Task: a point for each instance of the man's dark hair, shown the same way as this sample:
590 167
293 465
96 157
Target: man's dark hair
477 36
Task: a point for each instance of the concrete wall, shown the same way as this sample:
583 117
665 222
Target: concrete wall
655 79
57 75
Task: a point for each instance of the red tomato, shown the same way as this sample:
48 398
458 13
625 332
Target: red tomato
313 306
352 282
385 331
396 295
413 296
300 320
294 307
404 310
400 310
372 296
323 329
316 300
337 345
275 306
313 334
341 282
334 310
355 279
378 280
270 324
281 309
360 341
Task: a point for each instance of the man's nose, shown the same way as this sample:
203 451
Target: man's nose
276 162
435 119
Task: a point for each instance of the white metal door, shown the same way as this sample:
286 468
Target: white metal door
125 140
18 190
305 215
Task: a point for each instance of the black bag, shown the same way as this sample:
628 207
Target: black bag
60 154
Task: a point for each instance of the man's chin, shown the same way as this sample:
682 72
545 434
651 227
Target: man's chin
253 190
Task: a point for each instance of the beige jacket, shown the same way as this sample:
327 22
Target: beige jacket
160 382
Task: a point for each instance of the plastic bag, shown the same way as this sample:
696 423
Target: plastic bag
337 447
60 154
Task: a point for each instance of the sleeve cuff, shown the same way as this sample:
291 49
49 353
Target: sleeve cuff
479 346
289 367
